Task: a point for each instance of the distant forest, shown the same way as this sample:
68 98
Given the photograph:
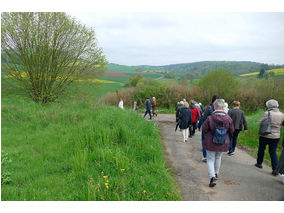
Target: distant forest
204 67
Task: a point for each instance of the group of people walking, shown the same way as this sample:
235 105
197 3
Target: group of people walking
220 129
150 106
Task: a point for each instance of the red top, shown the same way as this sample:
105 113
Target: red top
194 113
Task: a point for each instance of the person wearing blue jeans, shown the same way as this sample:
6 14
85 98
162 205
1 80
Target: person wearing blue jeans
148 108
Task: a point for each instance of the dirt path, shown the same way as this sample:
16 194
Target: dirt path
239 179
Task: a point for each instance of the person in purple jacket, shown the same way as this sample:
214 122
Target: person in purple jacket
214 151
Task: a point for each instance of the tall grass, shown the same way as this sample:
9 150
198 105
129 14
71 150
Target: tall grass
77 150
250 139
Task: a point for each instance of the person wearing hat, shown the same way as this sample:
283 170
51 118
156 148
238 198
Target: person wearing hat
272 139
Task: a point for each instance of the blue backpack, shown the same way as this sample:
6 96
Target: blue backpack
220 134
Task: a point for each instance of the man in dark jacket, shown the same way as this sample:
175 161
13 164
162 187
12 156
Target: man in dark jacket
239 120
148 108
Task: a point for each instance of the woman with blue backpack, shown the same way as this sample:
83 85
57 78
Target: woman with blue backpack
217 128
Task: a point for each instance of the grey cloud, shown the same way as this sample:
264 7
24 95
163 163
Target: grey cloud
167 38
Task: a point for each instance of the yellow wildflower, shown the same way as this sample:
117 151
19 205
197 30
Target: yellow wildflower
122 170
144 191
106 184
107 181
107 187
105 176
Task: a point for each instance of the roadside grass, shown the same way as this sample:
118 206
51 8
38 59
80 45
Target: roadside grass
250 140
158 110
75 149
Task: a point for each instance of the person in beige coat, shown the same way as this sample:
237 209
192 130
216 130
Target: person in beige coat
272 139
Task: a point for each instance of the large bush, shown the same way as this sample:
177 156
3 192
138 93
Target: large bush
219 82
45 52
252 93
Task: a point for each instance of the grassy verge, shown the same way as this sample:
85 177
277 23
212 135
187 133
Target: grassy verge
77 150
158 110
249 140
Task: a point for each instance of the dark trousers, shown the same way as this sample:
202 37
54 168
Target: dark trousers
192 129
148 111
272 145
202 140
233 139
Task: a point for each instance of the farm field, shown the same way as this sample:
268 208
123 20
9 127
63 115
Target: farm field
277 72
123 76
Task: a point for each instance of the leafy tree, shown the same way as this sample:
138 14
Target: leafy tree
169 75
263 68
135 79
219 82
46 52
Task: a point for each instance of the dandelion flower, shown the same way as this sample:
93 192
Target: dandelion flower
106 184
105 176
144 191
107 181
107 187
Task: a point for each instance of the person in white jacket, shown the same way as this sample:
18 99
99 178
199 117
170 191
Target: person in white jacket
120 104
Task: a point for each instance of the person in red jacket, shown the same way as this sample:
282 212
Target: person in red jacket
195 113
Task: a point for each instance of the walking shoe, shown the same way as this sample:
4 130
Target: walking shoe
216 176
258 165
274 173
231 153
204 160
212 182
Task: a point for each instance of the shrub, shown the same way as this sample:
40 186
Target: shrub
45 52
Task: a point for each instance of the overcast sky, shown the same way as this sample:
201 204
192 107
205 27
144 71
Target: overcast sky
171 38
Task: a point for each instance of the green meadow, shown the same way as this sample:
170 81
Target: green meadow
77 150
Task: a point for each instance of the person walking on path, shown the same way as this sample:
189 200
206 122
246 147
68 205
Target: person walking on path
154 105
195 117
239 120
214 151
226 109
178 107
148 108
135 106
185 120
120 104
208 111
272 139
280 166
